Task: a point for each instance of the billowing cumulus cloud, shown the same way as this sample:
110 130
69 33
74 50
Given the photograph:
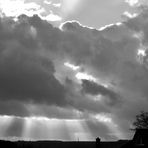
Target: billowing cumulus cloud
26 75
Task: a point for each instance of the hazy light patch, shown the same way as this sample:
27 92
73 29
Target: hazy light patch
51 129
70 6
33 31
5 122
78 130
139 35
71 66
58 5
27 129
116 131
42 128
103 118
81 76
140 55
141 52
97 98
113 127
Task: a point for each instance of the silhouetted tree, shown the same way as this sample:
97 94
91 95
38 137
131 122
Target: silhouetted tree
141 121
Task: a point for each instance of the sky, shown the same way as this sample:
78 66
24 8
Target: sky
72 69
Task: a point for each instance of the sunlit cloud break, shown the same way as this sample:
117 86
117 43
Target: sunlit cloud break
129 15
75 128
103 118
80 75
108 121
73 67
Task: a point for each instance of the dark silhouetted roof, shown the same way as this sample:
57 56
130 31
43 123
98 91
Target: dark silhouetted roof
141 134
140 139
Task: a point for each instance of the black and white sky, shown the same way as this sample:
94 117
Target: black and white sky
72 69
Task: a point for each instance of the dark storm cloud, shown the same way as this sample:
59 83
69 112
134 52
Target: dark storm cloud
92 88
13 108
25 74
82 102
29 48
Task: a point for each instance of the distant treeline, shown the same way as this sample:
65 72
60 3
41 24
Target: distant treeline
46 144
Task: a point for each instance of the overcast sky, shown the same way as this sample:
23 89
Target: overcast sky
72 69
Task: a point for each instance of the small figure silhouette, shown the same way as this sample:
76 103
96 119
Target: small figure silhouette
98 142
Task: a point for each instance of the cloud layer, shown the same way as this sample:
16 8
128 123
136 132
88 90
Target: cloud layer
35 82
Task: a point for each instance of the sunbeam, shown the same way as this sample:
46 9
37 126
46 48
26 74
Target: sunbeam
5 122
107 120
49 129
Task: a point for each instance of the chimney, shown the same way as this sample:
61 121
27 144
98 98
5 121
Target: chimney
98 142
